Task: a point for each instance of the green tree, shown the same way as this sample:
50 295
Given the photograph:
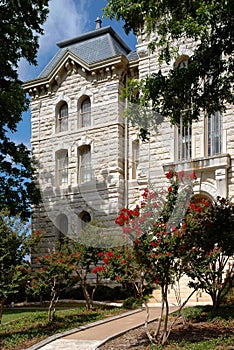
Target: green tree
19 29
207 81
209 247
53 274
15 244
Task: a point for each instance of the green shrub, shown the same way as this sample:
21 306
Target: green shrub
131 303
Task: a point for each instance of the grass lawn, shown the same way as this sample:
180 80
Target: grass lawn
23 327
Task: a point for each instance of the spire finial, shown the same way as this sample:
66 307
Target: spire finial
98 23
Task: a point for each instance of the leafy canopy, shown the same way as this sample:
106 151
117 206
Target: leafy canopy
20 25
15 245
207 81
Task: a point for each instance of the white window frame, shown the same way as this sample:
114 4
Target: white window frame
183 140
84 164
62 118
62 164
214 135
85 112
135 158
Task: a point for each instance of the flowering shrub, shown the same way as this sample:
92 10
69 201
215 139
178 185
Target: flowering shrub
157 231
51 277
209 246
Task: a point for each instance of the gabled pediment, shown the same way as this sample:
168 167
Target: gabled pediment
98 55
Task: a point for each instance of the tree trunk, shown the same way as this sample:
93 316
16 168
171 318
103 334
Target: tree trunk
165 332
2 303
85 290
147 323
156 333
52 303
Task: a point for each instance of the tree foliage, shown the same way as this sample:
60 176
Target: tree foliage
53 274
173 236
205 86
209 247
15 244
158 235
19 29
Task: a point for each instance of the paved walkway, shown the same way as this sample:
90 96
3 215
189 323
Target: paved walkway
91 336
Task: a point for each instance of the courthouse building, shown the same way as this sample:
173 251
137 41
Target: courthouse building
90 160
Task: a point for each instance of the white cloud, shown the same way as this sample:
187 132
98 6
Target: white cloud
66 19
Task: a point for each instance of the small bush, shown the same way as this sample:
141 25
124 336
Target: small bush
131 303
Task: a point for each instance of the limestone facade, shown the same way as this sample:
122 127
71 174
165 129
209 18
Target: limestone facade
121 165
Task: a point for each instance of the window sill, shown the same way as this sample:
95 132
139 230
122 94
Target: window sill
217 161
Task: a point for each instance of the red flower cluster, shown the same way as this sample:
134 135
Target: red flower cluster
126 215
170 174
98 269
108 256
118 278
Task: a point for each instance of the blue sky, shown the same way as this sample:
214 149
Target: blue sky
66 19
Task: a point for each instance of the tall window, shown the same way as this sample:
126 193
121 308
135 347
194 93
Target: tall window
184 141
85 113
62 167
62 118
84 164
62 227
135 158
184 132
214 136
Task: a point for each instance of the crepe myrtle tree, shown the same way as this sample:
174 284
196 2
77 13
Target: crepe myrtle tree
209 247
157 231
16 244
53 273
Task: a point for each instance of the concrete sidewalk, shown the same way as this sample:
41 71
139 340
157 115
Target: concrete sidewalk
91 336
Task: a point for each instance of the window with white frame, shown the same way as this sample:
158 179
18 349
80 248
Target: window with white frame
62 167
62 118
84 164
135 158
85 113
183 141
214 134
184 131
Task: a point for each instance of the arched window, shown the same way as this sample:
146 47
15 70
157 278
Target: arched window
201 198
85 218
62 118
85 113
62 167
84 164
